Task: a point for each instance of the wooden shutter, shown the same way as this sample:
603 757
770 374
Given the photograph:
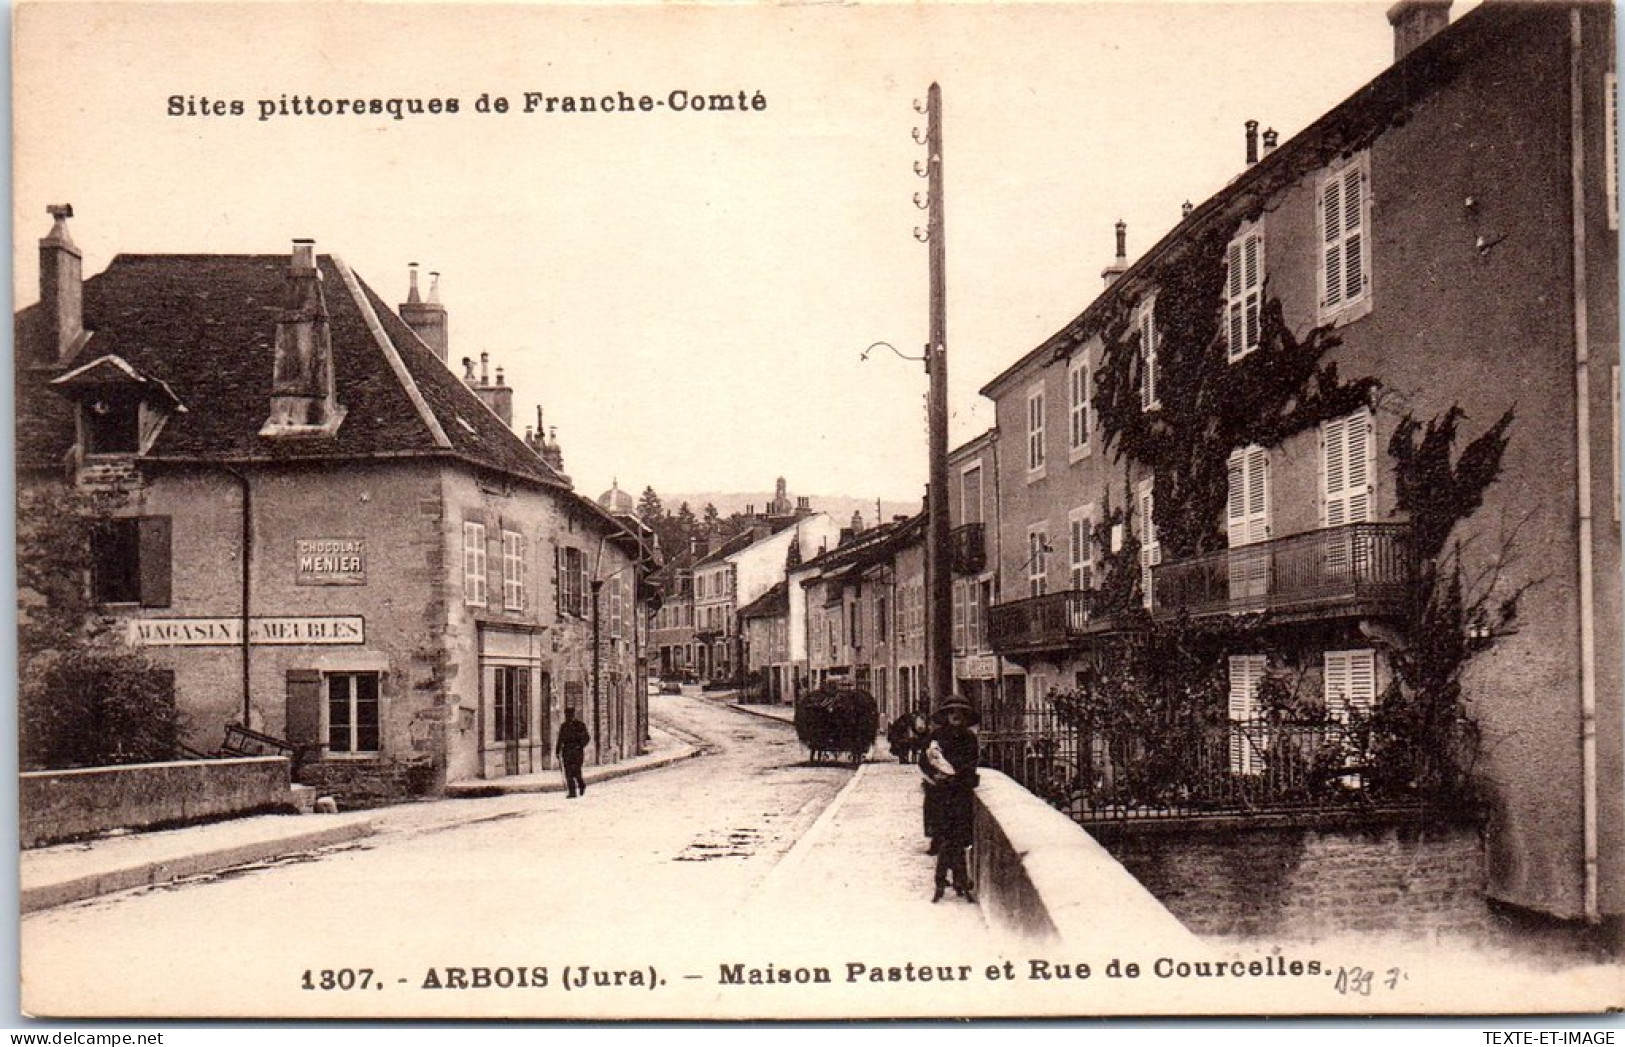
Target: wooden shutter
156 560
1343 236
1247 522
1150 548
1346 469
558 581
1350 682
1148 356
1246 670
1244 289
302 722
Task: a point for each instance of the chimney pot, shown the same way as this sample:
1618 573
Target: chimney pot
485 371
1120 264
434 288
1415 22
304 254
412 283
1252 142
1271 140
1186 208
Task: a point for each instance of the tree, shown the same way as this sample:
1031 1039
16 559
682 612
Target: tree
650 511
85 697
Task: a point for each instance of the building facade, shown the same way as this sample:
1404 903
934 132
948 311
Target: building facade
1248 423
325 535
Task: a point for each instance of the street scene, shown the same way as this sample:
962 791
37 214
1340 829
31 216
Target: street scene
1056 525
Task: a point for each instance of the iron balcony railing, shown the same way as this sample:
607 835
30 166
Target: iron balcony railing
1364 568
1048 622
967 548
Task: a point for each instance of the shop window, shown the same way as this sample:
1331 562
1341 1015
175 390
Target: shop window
352 712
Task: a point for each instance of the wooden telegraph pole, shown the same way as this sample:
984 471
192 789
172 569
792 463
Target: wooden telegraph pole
939 605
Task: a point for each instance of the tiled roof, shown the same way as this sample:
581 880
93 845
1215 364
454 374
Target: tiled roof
775 603
205 326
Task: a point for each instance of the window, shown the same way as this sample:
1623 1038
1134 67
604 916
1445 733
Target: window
511 702
130 561
570 565
984 600
112 424
1346 487
1244 291
513 571
1350 682
1037 555
1247 521
1344 219
352 713
1247 745
474 580
855 627
1150 548
617 620
1147 323
970 494
959 617
1077 398
1080 547
1035 429
880 619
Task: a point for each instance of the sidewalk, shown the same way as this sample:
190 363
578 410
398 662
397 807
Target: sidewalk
864 858
51 876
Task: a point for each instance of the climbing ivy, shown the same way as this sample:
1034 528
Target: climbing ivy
1210 406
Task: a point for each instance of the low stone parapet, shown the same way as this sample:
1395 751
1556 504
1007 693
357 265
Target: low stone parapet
66 805
1041 875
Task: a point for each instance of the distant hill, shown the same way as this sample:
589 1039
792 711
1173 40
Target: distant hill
840 507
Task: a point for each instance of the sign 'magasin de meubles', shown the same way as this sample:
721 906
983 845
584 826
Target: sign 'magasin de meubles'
204 632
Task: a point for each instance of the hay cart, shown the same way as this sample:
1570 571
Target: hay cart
836 723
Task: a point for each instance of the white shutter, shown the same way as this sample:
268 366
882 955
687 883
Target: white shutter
1148 355
1346 473
1150 549
1247 522
1350 682
1244 289
1343 203
1353 235
1245 745
1331 209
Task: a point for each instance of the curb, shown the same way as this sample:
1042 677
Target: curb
797 854
146 874
484 790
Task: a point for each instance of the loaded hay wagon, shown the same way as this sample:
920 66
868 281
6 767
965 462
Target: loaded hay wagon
837 722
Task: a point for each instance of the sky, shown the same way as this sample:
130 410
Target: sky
685 294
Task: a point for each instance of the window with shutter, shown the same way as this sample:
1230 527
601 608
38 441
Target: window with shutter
1080 550
1610 158
1150 548
1247 740
1244 291
1037 556
1247 522
513 571
1346 469
156 558
302 715
1147 323
1035 430
1077 387
970 494
959 617
1344 215
474 564
1349 682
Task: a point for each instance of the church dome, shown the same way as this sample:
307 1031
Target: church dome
616 500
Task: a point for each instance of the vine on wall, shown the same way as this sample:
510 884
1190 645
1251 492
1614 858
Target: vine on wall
1210 406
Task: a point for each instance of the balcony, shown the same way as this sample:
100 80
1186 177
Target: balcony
967 548
1356 570
1054 621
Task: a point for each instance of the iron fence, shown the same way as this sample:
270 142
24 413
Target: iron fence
1125 771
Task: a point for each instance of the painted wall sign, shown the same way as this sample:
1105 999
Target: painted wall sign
330 561
206 632
975 667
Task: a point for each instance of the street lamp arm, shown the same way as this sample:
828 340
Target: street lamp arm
887 345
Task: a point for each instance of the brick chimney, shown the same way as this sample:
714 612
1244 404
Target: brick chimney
1119 265
499 396
61 291
1415 21
304 401
427 319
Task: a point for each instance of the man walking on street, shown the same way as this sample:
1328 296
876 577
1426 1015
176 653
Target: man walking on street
572 749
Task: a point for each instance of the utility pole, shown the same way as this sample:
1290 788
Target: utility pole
939 606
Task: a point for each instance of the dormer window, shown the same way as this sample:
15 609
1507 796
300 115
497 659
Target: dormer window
112 424
121 410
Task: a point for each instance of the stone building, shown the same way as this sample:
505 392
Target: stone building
327 536
1447 238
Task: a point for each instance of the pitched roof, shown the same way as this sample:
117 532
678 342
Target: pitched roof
1386 98
775 603
205 327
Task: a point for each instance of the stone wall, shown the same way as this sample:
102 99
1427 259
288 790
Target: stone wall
1299 883
63 805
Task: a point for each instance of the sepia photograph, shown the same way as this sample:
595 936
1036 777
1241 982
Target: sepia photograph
817 512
